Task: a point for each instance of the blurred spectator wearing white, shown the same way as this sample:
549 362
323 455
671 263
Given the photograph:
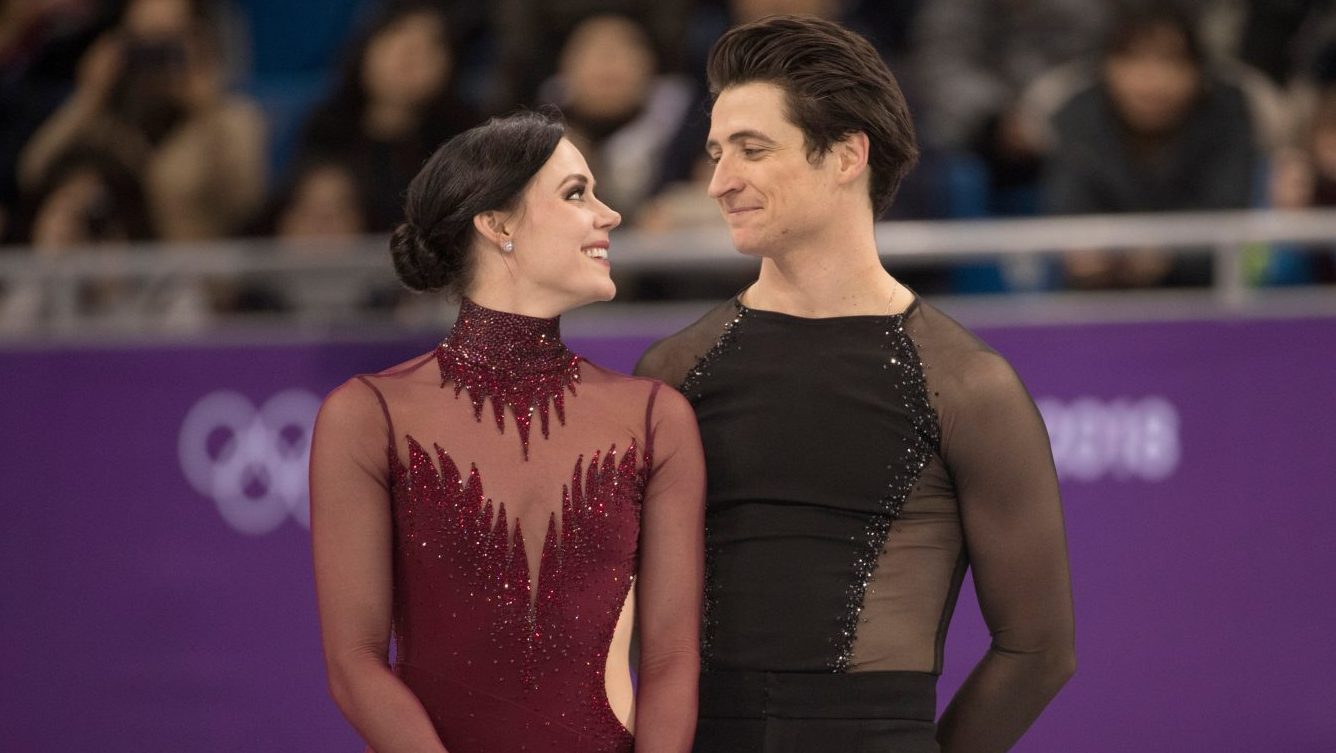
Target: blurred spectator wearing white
394 104
152 93
621 110
1158 130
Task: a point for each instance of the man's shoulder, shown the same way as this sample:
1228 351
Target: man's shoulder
959 360
941 337
670 358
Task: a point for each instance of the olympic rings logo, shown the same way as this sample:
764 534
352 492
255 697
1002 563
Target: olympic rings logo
251 463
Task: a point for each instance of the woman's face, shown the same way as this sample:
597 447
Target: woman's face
560 235
408 63
1153 82
324 205
157 19
608 67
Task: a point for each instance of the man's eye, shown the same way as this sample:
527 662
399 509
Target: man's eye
713 158
751 153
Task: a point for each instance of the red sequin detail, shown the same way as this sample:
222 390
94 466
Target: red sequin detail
464 592
517 361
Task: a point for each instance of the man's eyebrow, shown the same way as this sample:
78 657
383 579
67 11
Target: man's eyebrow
742 135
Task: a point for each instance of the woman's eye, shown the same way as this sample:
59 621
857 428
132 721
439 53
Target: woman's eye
577 193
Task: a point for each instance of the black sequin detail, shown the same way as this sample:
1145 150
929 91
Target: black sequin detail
690 389
905 367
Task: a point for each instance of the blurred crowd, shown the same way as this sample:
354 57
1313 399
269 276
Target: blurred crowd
186 120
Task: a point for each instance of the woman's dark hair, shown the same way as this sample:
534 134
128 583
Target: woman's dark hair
266 224
121 211
1134 18
835 84
342 112
482 169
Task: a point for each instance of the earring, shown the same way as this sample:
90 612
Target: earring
508 247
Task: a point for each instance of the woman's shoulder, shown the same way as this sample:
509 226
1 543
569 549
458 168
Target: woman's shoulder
651 391
419 371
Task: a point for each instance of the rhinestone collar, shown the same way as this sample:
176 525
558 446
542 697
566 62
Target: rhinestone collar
517 361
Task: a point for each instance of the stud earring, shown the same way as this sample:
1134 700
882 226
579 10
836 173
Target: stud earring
508 247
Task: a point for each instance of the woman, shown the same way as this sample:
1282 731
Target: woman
395 102
509 556
151 92
620 109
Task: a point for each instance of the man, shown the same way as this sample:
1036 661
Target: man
863 449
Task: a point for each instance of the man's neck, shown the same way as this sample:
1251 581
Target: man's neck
819 281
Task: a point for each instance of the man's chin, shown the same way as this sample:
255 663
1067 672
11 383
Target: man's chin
747 245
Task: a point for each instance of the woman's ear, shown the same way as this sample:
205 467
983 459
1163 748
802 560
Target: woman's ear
491 225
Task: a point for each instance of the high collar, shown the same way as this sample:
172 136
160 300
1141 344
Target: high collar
518 361
504 341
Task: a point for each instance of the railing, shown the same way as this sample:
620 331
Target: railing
165 288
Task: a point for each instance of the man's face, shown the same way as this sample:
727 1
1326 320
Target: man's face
1154 82
771 196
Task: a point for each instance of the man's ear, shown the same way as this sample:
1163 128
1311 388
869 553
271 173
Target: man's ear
851 155
491 225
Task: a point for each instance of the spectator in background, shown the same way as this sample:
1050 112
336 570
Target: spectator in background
322 209
87 198
1303 178
151 92
619 109
530 33
974 58
394 104
1157 131
323 201
40 45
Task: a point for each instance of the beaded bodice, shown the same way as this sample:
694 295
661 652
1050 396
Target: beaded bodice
512 569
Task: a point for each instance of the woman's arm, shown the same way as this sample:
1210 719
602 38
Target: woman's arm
998 452
351 535
672 544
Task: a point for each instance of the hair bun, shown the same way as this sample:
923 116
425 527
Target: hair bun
418 266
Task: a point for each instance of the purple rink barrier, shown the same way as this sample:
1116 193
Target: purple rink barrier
157 585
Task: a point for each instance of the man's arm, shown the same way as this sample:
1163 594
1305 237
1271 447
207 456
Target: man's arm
999 456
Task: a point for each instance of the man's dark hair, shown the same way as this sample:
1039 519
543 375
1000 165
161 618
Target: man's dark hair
835 84
1135 18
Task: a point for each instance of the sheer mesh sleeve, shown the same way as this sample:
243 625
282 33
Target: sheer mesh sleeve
671 574
672 359
997 451
351 531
